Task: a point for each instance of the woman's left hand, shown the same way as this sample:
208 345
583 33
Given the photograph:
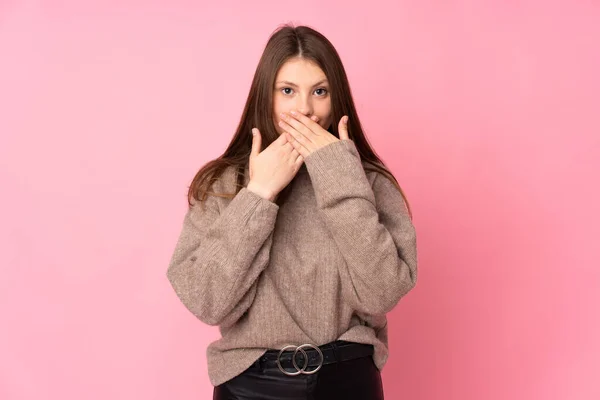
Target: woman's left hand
306 135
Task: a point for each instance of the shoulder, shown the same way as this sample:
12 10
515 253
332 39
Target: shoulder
223 187
373 176
228 181
370 173
385 188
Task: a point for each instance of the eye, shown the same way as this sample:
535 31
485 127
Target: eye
287 88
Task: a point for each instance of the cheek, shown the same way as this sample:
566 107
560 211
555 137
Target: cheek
276 110
325 120
281 102
278 107
324 110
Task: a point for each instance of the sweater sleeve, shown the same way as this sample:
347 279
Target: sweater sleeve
370 226
219 256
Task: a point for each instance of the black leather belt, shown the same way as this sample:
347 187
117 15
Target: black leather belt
291 360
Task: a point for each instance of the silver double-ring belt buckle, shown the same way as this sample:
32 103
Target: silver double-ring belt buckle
298 369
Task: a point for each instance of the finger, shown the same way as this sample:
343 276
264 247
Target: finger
294 134
298 146
279 142
293 155
343 128
299 161
310 124
256 142
299 126
315 118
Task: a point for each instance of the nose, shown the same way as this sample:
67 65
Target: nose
304 105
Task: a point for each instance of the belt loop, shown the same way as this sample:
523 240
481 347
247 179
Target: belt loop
336 354
261 364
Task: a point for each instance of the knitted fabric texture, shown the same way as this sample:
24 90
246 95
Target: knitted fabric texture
328 264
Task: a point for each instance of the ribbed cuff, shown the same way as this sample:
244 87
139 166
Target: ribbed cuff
248 206
252 196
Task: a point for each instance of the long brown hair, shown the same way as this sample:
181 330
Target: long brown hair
284 43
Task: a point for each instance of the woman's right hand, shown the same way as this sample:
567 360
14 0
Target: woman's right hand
272 169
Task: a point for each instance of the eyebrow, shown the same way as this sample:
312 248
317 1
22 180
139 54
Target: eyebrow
293 84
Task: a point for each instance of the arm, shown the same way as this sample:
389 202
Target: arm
370 226
219 256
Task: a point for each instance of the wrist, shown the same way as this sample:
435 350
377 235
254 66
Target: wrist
266 194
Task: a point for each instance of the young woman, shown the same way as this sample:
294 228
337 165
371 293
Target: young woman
297 240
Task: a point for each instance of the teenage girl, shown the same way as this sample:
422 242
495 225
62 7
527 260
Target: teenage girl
298 240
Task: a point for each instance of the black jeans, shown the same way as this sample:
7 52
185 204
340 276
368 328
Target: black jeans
356 379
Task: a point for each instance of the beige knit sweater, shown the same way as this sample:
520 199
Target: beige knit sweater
328 264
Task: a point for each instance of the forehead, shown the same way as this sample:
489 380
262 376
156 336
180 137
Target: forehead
300 71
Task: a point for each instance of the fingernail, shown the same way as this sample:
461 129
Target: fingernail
293 112
345 119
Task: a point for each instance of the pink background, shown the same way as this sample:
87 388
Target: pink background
486 111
